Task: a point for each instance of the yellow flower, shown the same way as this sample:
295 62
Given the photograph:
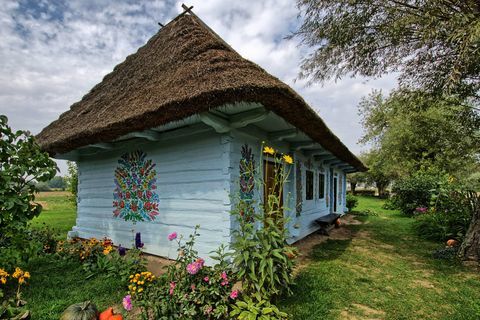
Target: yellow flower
3 280
3 273
27 275
18 273
134 288
21 280
288 159
140 290
268 150
131 276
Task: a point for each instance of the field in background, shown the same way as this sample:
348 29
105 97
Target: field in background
58 211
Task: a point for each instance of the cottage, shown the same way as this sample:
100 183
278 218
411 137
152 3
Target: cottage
159 142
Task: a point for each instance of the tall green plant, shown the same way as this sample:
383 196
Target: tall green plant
22 162
262 258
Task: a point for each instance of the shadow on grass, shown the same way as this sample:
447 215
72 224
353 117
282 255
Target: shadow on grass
329 250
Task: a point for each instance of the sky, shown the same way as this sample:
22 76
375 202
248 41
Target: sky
53 52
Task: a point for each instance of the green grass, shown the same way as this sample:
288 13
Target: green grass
383 272
55 283
58 211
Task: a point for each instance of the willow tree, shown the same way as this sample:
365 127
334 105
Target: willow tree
432 44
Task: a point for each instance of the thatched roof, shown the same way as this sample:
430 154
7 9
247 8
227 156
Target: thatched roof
184 69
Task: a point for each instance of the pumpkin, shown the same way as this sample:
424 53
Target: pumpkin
80 311
452 243
105 315
338 223
116 317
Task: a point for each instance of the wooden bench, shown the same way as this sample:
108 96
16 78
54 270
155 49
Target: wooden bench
327 222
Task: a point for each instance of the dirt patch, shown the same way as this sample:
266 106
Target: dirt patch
47 194
358 311
157 265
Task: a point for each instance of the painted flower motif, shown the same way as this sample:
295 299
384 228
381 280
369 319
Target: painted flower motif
172 287
127 302
172 236
288 159
268 150
193 268
234 294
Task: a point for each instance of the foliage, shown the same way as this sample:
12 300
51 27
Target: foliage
21 163
445 253
351 202
449 215
57 182
261 255
412 130
415 191
72 179
377 174
355 178
42 186
432 43
256 308
12 305
189 289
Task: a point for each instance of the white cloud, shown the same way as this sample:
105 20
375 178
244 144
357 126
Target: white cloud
54 52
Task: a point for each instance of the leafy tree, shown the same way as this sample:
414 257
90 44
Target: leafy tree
57 183
378 173
433 44
72 179
21 163
356 178
414 131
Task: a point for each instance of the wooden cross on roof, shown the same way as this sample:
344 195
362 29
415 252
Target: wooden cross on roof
186 10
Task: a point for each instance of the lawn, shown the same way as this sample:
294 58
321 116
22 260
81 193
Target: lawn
383 271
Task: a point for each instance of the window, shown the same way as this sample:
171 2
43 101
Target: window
321 185
309 185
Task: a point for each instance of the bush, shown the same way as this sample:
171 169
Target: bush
415 191
449 215
351 202
365 192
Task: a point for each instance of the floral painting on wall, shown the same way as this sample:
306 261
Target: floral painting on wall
247 173
134 197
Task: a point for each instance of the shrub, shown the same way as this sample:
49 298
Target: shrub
415 191
449 215
351 202
365 192
256 308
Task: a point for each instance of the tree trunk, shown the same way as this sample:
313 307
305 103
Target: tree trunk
470 248
353 186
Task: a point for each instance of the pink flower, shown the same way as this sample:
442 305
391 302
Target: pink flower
172 287
234 294
172 236
224 275
206 279
193 268
224 283
200 262
208 309
193 287
127 302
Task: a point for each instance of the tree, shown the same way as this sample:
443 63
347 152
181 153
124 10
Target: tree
72 179
414 130
377 173
433 44
57 183
354 179
21 163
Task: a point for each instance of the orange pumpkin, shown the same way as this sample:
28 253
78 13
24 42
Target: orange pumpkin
338 223
105 315
116 317
452 243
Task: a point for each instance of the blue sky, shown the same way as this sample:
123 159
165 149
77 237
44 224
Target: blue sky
53 52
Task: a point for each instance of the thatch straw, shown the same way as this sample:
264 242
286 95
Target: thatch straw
182 70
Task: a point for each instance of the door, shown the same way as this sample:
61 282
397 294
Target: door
335 192
272 187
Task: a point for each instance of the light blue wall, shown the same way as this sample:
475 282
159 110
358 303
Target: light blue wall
193 186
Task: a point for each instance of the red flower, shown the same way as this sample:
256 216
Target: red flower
122 204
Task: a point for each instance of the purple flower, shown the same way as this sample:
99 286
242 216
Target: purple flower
193 268
138 241
421 209
127 302
172 236
122 251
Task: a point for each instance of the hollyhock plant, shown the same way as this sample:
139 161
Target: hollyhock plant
127 302
172 236
234 294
